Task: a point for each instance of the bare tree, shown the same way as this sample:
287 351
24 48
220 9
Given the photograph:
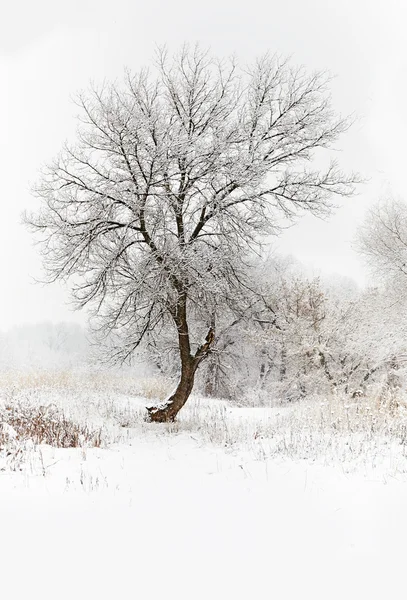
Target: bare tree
382 239
176 177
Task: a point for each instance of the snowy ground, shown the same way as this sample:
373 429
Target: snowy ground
164 512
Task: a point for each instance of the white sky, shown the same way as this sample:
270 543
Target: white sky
50 50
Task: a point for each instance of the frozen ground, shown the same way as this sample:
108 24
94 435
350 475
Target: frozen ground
168 513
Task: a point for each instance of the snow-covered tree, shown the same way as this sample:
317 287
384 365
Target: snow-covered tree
382 240
177 176
308 336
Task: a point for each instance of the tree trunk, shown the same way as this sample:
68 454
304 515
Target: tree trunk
210 381
168 410
283 364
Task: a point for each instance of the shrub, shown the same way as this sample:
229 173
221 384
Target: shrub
44 425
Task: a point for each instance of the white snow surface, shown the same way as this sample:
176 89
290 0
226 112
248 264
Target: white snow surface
165 515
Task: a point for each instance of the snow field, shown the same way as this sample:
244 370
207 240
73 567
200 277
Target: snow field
195 510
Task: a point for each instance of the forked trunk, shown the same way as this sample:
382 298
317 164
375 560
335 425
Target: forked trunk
168 410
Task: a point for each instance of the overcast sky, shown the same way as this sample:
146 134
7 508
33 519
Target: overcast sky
49 50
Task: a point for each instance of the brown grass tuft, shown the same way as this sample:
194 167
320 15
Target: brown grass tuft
44 425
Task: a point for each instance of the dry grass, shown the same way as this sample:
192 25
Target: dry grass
365 432
71 410
44 425
155 388
23 380
121 382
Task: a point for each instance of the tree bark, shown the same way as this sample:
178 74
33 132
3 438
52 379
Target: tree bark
168 410
211 381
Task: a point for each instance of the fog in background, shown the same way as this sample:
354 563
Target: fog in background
49 51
